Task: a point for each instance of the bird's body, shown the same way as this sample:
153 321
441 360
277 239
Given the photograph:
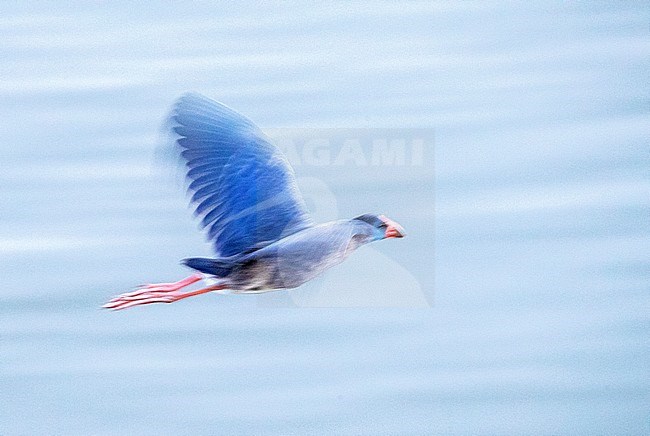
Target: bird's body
245 194
288 262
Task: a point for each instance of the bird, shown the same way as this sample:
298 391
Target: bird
245 195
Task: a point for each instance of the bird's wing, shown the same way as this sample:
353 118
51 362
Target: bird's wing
242 186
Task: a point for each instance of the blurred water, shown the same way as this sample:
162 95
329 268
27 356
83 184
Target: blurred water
540 314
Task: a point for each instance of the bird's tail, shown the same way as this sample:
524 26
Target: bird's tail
216 267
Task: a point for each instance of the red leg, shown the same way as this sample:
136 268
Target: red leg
144 290
180 296
168 297
158 293
158 297
163 287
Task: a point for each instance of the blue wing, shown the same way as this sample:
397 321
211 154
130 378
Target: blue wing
242 186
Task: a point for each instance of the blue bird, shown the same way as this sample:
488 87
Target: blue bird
244 192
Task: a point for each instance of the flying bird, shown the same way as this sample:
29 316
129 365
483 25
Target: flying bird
244 192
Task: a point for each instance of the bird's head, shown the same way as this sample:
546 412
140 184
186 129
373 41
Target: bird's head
382 227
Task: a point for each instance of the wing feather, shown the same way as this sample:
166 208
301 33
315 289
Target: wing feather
242 186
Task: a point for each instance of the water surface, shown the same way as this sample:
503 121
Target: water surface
534 256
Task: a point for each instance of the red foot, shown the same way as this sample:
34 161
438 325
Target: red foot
158 293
